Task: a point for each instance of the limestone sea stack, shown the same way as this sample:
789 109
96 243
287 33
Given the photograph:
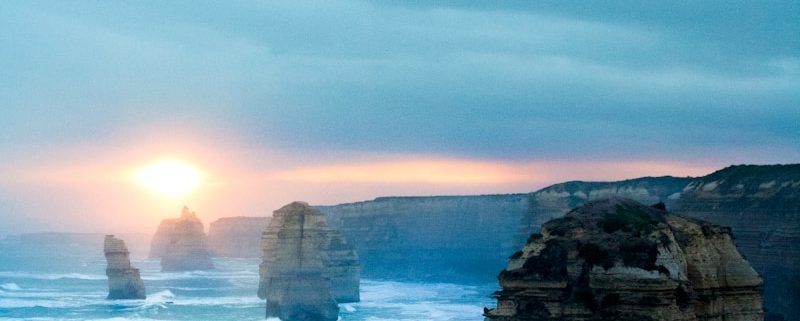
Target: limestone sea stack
296 269
616 259
181 244
124 281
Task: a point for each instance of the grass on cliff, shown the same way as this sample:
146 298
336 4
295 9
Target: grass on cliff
629 219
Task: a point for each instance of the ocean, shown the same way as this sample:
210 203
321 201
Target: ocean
68 282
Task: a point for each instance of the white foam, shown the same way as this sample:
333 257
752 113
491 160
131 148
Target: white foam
349 308
51 276
161 296
10 287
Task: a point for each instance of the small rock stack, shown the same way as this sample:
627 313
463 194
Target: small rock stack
181 244
124 281
306 266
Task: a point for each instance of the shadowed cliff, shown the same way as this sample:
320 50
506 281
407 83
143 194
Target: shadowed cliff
616 259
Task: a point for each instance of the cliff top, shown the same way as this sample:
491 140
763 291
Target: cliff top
665 182
750 177
607 232
296 208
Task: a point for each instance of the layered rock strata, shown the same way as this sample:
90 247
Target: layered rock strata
124 281
295 274
451 238
237 236
556 200
616 259
761 203
181 243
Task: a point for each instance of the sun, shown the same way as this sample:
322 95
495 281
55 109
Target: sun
169 178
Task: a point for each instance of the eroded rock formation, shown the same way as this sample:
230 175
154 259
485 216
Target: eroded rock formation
181 244
616 259
124 281
556 200
295 273
237 236
761 203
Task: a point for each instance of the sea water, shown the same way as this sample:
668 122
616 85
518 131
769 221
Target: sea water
68 282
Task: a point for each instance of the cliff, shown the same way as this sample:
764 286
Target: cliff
124 281
181 243
760 203
448 237
616 259
237 236
294 274
553 201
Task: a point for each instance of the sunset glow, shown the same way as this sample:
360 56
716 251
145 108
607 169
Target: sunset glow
169 178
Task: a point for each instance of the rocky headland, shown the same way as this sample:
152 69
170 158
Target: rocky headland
181 244
556 200
761 203
616 259
124 281
237 236
295 274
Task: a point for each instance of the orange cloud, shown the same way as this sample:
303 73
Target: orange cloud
437 171
469 172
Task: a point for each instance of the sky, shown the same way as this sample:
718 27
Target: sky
339 101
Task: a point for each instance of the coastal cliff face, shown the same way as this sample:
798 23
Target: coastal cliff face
448 237
181 243
294 274
616 259
237 236
554 201
760 203
124 281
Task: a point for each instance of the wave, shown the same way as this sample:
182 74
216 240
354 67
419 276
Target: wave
157 276
349 308
82 319
10 287
228 275
51 276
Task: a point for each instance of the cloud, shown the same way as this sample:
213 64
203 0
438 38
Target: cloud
445 97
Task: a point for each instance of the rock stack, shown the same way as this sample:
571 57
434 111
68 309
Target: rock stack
616 259
181 244
124 281
306 266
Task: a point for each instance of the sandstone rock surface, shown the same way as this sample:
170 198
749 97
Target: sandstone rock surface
237 236
296 269
616 259
124 281
761 203
181 244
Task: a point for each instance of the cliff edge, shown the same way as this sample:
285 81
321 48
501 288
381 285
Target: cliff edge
616 259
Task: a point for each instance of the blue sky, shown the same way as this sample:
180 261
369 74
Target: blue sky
706 83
